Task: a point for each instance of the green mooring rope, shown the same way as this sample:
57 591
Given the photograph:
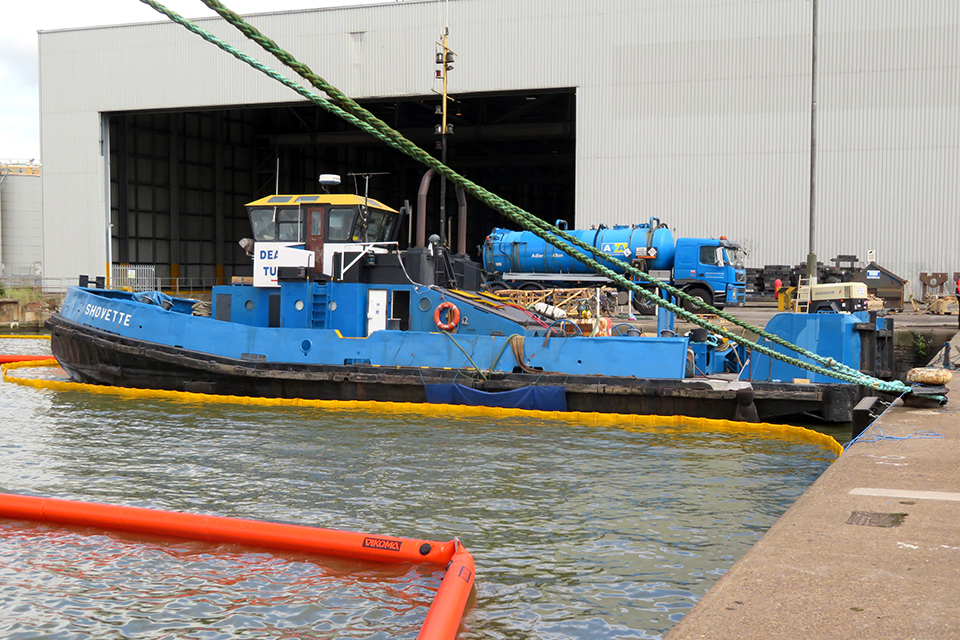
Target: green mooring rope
345 108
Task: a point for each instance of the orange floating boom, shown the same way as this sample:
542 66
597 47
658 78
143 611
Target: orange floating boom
272 535
443 618
6 359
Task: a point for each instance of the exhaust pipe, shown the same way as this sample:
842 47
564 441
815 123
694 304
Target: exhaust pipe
422 208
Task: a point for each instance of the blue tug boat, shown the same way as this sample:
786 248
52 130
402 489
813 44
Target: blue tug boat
334 310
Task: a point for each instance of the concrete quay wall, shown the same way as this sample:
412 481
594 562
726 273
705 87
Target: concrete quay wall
870 551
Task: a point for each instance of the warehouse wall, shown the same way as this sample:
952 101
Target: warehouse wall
694 111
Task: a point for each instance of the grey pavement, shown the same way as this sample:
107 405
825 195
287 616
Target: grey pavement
825 570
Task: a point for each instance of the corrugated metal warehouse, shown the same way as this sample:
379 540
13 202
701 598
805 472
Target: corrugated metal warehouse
697 112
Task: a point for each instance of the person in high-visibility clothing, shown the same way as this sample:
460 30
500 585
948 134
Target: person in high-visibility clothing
958 301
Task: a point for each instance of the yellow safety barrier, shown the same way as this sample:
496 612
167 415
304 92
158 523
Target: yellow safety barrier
628 421
22 337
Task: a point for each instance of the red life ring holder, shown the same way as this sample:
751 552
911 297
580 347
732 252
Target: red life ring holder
453 316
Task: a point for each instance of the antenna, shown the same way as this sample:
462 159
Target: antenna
364 214
328 180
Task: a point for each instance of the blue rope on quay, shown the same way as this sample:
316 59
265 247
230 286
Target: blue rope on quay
949 406
875 434
866 436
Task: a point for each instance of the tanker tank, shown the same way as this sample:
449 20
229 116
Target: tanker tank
506 251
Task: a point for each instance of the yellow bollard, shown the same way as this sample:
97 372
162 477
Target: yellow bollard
785 298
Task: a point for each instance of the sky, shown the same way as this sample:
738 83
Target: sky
21 19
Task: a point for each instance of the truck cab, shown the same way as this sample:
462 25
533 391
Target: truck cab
710 270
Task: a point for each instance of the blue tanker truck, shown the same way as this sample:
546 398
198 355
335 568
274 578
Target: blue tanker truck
709 269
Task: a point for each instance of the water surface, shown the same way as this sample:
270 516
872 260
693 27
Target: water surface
577 531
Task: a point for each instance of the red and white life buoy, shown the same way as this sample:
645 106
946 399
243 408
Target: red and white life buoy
604 329
453 317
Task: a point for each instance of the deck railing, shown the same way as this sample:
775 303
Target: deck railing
16 286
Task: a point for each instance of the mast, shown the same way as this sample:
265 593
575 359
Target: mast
445 58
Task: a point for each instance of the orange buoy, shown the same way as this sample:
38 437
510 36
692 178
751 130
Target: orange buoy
453 318
4 359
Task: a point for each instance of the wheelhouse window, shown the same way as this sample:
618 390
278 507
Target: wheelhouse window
380 225
340 224
262 224
344 224
316 222
288 224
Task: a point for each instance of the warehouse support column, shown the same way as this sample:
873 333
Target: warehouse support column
107 206
219 249
123 212
176 122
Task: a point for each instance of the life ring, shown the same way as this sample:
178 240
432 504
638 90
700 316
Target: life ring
453 316
604 327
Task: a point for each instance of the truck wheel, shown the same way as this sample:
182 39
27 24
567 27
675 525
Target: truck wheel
643 306
531 286
700 295
495 286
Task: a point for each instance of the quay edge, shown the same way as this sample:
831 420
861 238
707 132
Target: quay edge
826 569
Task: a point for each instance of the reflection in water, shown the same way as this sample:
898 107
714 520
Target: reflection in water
578 532
24 347
64 581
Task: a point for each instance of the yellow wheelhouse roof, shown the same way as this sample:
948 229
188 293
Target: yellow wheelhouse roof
323 198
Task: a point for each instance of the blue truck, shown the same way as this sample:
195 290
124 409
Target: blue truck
708 269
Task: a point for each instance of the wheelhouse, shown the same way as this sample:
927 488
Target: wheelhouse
325 219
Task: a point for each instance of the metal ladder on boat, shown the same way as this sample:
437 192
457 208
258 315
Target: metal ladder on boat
318 314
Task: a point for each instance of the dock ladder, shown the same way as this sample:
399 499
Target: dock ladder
801 305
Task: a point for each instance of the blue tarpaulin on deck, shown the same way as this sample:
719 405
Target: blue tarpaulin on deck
536 398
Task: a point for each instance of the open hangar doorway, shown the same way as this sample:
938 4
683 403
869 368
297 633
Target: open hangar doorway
179 179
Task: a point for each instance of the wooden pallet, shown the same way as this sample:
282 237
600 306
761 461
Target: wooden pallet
566 299
713 319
